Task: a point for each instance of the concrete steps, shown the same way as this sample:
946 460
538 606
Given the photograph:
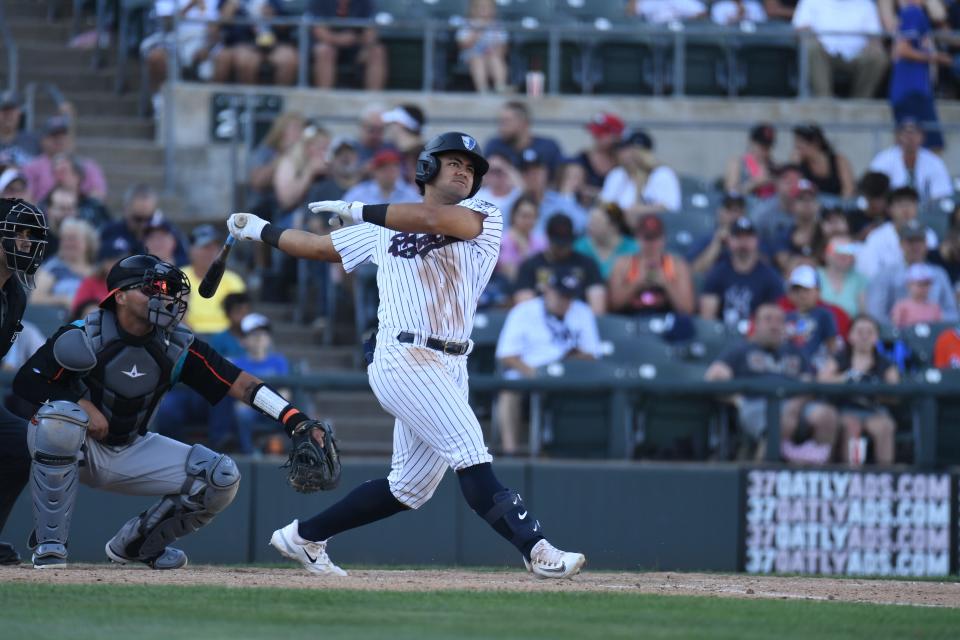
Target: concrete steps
117 127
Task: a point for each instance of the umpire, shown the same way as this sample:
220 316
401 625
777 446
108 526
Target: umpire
23 239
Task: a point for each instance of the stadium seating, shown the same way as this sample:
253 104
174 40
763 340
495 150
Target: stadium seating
47 318
766 63
936 214
402 43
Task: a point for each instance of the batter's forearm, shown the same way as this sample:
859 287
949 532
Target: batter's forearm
303 244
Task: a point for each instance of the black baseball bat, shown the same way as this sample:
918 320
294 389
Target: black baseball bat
208 286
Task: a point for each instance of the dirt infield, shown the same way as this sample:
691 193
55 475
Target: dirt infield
937 594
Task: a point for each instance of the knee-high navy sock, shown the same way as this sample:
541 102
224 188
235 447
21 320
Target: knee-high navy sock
369 502
481 490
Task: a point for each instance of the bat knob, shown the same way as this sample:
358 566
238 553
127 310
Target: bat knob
241 220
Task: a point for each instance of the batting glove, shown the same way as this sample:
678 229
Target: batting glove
245 226
345 212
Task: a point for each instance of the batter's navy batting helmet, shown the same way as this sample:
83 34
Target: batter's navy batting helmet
428 166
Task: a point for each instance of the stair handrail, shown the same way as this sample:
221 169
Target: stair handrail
13 62
30 100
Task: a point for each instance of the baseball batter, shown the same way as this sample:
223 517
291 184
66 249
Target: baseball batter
99 382
434 259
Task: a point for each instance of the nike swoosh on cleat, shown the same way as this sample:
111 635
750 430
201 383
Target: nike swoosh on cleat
561 569
309 557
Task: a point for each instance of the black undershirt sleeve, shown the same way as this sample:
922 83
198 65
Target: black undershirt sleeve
207 372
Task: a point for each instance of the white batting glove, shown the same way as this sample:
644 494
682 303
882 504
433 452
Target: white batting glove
246 226
345 212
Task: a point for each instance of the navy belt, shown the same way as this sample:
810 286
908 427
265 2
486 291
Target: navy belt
448 347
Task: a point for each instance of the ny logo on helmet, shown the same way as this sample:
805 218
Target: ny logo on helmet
469 143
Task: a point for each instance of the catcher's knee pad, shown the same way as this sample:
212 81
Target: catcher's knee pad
54 438
211 485
509 509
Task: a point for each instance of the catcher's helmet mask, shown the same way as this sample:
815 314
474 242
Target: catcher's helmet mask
428 165
165 285
22 223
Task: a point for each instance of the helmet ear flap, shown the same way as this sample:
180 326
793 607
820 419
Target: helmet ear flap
427 168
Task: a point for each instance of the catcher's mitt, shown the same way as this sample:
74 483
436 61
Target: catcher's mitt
313 467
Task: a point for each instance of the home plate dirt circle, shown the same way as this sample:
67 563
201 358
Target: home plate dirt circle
900 592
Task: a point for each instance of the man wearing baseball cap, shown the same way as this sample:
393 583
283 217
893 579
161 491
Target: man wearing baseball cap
882 249
535 175
811 328
535 271
706 250
17 147
539 332
58 138
606 129
908 164
514 135
734 288
206 315
804 237
387 184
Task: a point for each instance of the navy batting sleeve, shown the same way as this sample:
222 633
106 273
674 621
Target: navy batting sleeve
207 372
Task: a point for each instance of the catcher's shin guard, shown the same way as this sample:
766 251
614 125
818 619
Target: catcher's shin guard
54 438
212 482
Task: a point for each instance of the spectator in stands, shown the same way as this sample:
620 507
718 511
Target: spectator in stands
947 255
535 174
387 185
343 171
262 360
244 49
946 350
94 286
640 184
236 306
541 331
59 277
58 139
160 239
68 173
651 280
404 132
666 11
908 164
833 223
874 194
535 271
890 12
810 327
300 167
734 288
285 132
28 341
360 46
860 362
840 283
483 47
371 130
780 9
514 137
205 315
804 237
772 215
13 184
194 40
890 283
17 147
597 161
882 250
753 172
808 428
861 55
706 250
830 171
502 184
911 87
522 240
733 12
916 307
608 237
140 205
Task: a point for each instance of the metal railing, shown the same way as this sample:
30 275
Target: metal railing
10 46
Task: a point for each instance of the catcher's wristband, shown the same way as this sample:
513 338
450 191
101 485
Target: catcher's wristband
271 404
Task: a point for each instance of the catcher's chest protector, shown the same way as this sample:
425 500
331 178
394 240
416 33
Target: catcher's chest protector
130 377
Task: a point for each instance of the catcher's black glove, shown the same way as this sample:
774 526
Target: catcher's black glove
312 466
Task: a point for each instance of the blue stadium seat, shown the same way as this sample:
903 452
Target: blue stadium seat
684 228
47 318
936 214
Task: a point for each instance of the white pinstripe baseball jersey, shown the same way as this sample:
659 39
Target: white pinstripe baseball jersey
429 284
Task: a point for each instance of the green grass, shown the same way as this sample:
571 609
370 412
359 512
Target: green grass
32 611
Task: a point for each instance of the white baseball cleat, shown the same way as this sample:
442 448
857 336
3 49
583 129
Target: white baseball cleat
312 555
546 561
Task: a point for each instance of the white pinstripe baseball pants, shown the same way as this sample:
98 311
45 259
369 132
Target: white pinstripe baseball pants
426 391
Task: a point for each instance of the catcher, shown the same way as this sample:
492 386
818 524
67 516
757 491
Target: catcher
98 382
